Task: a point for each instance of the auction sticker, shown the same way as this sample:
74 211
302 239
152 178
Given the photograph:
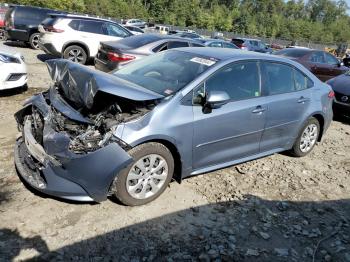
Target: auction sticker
202 61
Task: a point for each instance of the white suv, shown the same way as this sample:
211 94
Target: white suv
77 38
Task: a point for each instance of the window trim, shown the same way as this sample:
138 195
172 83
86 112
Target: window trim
267 93
257 61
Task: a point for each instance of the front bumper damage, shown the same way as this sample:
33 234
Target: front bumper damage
50 167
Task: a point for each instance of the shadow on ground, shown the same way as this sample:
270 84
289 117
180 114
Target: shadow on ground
17 44
13 91
251 229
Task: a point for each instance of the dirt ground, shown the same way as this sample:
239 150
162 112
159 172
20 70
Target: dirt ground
277 208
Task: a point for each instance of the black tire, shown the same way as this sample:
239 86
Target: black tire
34 40
137 153
76 54
296 150
2 35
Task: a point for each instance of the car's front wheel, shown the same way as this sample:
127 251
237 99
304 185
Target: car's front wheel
147 176
307 138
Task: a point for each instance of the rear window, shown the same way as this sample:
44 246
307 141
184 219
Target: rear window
238 42
138 41
292 52
50 21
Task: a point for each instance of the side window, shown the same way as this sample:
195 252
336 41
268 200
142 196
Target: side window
238 80
74 24
94 27
331 60
175 44
228 45
115 30
254 43
279 78
215 44
196 45
301 81
317 57
160 48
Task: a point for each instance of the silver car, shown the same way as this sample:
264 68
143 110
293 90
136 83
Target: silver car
169 116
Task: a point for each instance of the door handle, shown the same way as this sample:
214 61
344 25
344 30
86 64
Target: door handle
258 110
303 100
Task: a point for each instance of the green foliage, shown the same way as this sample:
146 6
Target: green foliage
313 20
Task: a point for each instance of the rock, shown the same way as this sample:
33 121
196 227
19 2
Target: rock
347 257
281 252
204 258
264 235
213 253
252 252
232 239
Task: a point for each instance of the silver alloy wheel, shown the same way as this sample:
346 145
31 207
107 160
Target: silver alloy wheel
76 55
147 176
308 138
35 41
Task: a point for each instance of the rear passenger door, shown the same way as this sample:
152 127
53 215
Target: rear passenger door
288 96
91 32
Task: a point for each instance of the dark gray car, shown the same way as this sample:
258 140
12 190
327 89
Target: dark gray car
116 54
174 114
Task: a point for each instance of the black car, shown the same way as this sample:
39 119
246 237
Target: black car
21 23
341 88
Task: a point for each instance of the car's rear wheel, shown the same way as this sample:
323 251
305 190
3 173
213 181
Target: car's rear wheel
34 40
76 54
147 176
307 138
2 35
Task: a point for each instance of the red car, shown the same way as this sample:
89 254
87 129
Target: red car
322 64
3 10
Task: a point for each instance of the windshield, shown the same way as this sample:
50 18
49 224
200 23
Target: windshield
167 72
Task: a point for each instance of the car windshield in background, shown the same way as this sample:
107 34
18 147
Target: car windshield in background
292 52
167 72
137 41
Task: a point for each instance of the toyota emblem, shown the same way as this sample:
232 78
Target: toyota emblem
344 99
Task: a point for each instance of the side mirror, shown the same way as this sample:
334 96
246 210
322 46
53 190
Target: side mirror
216 99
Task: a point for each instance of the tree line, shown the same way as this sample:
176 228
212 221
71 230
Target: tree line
323 21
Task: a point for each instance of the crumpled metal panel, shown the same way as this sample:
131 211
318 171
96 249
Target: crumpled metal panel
80 84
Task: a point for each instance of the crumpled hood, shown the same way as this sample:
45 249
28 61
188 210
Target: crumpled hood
340 84
80 84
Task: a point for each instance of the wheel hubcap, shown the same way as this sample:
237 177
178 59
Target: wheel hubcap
35 42
147 176
308 138
76 55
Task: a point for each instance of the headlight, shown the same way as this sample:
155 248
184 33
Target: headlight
9 59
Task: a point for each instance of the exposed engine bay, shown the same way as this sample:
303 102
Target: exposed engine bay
106 113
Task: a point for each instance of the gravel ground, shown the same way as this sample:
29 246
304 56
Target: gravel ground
277 208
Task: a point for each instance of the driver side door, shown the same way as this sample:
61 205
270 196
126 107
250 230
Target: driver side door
234 130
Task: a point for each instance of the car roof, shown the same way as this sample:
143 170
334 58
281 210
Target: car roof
212 40
228 54
83 17
246 39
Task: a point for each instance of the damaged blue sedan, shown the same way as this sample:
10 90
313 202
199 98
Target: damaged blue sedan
172 115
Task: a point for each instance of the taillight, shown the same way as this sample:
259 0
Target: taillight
331 94
52 29
119 57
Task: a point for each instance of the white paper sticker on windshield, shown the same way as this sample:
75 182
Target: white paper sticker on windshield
202 61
